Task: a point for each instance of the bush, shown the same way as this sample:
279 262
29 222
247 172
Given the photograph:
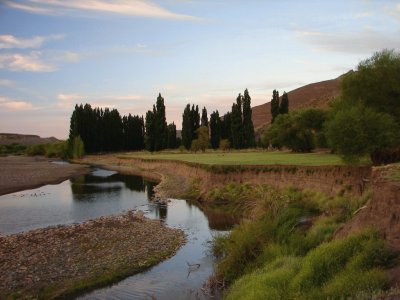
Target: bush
38 149
224 145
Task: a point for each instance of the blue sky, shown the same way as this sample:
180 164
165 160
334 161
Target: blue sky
122 53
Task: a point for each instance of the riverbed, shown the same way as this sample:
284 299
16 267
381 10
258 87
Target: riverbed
103 193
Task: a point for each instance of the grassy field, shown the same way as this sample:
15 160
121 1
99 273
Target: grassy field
246 158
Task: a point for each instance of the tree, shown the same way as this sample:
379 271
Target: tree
375 83
150 128
298 131
284 106
226 127
274 105
190 123
78 147
248 127
201 143
172 143
187 127
215 129
160 124
237 123
204 118
359 131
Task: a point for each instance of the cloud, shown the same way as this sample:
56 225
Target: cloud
31 62
364 42
68 100
6 82
9 41
11 104
139 8
393 11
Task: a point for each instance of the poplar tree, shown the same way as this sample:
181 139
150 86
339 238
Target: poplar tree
160 124
149 128
204 117
237 123
187 127
215 129
171 136
284 107
248 127
274 105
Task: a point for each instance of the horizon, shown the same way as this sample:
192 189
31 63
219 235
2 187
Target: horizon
121 54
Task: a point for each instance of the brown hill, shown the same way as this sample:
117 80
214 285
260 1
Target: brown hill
24 139
315 95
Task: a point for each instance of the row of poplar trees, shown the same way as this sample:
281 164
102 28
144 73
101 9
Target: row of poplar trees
235 126
106 130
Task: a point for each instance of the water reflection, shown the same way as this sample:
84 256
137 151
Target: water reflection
96 194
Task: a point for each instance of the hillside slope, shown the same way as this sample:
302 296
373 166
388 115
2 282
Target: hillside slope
315 95
24 139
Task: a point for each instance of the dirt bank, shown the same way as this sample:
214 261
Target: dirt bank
178 178
19 173
62 260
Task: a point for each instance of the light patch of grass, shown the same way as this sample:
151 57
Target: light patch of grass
245 158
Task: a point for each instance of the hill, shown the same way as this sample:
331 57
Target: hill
24 139
316 95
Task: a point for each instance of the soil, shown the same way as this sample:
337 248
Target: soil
63 260
19 173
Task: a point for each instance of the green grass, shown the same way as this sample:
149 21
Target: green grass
245 158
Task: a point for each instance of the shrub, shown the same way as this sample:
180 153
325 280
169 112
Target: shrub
224 145
38 149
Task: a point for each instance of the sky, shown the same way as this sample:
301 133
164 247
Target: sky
122 53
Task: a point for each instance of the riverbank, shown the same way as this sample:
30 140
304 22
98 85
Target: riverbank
65 260
19 173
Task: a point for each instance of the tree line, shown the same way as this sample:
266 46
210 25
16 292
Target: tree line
363 121
104 130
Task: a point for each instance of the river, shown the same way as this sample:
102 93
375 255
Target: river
105 192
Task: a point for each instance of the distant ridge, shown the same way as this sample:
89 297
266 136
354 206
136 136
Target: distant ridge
314 95
25 139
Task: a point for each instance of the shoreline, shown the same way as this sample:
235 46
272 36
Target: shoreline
18 173
68 260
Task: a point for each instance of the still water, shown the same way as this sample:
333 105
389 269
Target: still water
105 192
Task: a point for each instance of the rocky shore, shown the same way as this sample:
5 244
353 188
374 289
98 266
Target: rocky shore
65 260
19 173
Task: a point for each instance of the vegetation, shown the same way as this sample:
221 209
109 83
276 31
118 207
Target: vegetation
368 112
14 149
201 143
105 130
287 252
359 131
300 131
279 107
215 130
247 158
190 123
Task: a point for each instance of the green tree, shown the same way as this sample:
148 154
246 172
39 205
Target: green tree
284 106
215 129
172 142
297 131
274 105
78 147
226 127
375 83
160 124
203 139
237 123
248 127
359 131
187 127
149 129
204 117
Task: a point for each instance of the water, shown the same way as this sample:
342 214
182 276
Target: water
106 192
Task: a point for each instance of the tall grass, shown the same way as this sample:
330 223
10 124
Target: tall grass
284 249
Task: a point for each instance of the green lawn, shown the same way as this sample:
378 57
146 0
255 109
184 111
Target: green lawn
245 158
